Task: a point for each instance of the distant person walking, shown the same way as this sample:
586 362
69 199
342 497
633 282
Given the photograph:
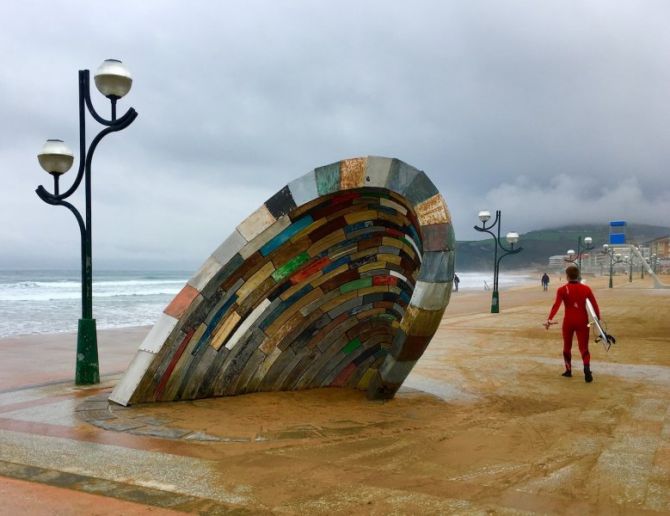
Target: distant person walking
545 281
573 295
457 280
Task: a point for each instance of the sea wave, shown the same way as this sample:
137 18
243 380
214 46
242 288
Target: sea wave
63 290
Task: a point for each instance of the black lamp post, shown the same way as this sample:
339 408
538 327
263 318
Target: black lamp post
512 239
573 257
113 80
614 258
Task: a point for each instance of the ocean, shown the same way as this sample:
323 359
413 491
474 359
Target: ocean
484 280
45 301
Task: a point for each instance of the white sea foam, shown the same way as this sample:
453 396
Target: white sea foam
484 281
50 301
61 290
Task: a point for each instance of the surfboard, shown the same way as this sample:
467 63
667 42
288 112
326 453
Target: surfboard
602 336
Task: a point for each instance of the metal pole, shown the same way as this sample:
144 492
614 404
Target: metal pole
611 253
87 368
579 253
630 265
495 307
495 297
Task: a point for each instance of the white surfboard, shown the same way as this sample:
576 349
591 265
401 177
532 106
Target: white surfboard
603 336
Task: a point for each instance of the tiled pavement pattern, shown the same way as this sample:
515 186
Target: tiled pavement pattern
339 279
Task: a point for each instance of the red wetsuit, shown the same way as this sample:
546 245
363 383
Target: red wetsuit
574 295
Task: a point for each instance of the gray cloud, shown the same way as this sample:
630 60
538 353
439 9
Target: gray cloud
554 112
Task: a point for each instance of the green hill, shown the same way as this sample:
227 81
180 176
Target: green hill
539 245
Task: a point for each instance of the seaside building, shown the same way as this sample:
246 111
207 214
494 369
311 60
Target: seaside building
659 248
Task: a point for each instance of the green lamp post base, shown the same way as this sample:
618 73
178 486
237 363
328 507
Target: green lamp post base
495 307
87 369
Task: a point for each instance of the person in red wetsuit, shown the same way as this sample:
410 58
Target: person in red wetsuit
574 295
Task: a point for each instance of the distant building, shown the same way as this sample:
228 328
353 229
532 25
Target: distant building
557 262
660 247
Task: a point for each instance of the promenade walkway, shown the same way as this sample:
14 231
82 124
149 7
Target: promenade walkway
484 423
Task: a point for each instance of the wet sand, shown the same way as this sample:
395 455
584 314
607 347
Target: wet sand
485 423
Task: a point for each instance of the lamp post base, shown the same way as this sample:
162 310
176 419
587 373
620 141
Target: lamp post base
87 369
495 307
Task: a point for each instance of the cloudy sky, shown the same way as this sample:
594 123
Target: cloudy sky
555 112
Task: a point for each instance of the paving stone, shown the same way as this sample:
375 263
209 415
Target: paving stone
161 431
116 425
100 415
202 436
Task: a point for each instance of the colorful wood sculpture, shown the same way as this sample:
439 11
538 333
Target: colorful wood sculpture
339 279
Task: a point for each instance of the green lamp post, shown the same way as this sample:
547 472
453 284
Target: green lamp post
113 80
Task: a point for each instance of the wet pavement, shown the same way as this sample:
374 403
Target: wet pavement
472 432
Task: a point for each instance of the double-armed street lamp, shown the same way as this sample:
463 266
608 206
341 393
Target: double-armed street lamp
512 239
614 258
113 80
573 257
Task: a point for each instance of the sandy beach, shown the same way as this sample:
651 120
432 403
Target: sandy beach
484 424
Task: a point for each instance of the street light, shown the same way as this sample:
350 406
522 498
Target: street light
614 258
512 239
573 257
113 80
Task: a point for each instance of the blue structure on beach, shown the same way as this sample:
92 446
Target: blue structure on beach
617 232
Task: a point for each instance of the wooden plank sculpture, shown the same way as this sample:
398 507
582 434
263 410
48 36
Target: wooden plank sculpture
340 279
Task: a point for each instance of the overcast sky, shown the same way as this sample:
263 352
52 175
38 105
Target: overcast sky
554 111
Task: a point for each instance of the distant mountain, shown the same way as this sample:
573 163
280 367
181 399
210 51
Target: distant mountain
539 245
